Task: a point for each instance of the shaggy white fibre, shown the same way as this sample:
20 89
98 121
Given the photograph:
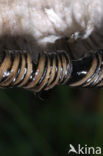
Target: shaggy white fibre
48 20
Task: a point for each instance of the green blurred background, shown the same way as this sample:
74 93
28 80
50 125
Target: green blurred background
45 124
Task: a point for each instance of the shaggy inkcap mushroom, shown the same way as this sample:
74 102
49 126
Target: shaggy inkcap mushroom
35 23
40 38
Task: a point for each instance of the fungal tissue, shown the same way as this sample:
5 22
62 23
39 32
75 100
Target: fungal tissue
45 21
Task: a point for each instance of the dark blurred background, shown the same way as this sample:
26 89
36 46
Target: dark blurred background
45 124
